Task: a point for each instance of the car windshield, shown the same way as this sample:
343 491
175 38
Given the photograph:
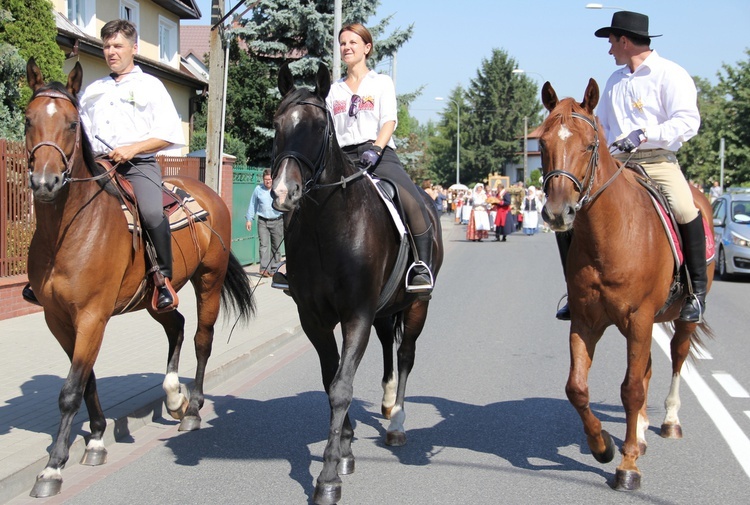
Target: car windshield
741 212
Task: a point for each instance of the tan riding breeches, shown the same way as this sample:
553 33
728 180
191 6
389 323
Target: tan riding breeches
661 165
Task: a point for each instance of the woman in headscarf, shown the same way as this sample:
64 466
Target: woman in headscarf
530 208
479 220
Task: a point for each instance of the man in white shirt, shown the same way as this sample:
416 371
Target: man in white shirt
651 104
129 116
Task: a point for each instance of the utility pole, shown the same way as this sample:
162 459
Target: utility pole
216 97
525 148
336 70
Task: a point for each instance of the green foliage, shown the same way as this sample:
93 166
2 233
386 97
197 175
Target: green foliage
11 72
33 32
725 113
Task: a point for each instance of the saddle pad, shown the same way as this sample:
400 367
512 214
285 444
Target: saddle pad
389 205
674 241
180 207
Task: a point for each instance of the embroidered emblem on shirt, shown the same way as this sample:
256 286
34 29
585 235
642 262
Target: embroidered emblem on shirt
638 104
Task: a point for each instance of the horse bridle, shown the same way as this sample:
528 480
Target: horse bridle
51 93
590 169
316 168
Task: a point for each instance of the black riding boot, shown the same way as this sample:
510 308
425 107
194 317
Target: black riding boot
563 246
694 246
28 295
161 239
420 278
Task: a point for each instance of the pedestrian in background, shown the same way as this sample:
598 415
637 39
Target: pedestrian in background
270 226
530 209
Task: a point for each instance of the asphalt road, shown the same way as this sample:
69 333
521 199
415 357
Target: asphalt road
487 417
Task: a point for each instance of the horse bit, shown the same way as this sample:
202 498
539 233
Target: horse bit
590 170
51 93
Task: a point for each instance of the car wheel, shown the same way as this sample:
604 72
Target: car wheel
722 265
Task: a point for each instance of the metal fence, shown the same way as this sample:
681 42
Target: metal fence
17 220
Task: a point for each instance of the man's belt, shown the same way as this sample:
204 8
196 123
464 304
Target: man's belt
269 218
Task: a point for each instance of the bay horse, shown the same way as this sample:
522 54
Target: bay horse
620 269
84 269
341 247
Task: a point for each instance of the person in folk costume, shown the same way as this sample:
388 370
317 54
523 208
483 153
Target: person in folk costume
504 219
530 208
479 220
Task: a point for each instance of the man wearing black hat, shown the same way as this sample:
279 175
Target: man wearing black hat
649 108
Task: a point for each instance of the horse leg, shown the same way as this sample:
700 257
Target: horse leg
679 349
338 449
384 330
174 326
643 422
82 343
95 453
582 349
414 319
633 395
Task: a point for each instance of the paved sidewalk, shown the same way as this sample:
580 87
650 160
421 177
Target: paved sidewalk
130 370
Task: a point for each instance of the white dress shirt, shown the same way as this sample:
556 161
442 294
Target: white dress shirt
135 109
658 97
378 106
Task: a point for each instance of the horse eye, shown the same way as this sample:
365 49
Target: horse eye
74 125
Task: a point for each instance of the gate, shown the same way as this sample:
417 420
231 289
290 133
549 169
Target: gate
244 243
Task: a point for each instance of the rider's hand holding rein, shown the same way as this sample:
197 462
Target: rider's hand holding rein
632 141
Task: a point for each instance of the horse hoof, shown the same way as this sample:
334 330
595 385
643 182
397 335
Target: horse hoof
190 423
395 438
346 465
627 480
180 412
94 457
609 453
44 488
327 494
671 431
386 411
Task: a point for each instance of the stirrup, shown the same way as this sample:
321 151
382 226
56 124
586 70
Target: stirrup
419 288
689 307
563 313
279 281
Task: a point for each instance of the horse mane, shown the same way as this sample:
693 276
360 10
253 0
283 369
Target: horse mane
87 152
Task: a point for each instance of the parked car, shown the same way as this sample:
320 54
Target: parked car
731 214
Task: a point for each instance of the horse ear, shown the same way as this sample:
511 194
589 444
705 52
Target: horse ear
74 79
591 96
322 81
549 97
33 75
286 81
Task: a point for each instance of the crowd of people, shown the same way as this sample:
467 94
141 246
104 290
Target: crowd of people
499 211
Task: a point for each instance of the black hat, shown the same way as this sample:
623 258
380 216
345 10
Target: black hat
626 22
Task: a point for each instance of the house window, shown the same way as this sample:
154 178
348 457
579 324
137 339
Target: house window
130 10
167 41
81 14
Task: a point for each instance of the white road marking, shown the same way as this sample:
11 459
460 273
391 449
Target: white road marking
730 385
736 439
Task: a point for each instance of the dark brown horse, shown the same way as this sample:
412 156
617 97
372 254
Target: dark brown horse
341 248
619 272
84 269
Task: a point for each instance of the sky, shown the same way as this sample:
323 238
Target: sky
552 40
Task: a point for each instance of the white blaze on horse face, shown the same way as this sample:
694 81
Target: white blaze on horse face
281 188
296 118
564 133
51 109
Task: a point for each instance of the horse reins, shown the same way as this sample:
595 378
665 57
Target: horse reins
68 161
586 196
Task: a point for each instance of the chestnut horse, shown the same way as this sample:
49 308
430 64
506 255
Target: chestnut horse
619 272
341 247
84 269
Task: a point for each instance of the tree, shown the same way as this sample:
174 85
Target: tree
11 72
734 82
442 145
34 33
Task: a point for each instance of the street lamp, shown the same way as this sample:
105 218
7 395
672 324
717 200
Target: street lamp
458 133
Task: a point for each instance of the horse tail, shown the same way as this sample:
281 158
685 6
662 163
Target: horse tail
236 292
697 338
398 327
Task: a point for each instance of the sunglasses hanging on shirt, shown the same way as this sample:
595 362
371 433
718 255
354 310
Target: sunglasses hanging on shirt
354 107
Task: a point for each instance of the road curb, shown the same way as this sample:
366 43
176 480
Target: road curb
141 409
